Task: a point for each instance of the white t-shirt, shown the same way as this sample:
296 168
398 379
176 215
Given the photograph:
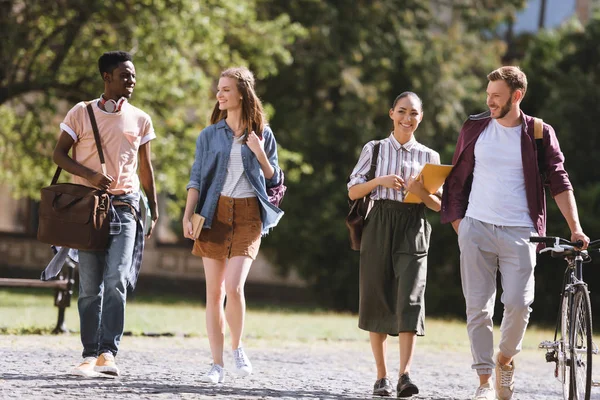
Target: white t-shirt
121 135
498 192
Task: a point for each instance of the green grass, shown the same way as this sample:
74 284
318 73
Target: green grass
24 311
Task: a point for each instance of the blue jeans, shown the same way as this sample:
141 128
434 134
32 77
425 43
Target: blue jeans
103 289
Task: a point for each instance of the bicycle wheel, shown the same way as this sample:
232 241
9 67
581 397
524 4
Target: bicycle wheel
563 373
581 344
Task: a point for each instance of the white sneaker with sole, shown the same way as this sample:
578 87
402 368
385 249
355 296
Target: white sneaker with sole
216 374
86 368
505 380
243 367
485 392
106 365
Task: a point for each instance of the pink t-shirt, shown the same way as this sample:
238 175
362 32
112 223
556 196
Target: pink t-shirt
121 135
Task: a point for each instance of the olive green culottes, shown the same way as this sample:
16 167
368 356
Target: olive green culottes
393 268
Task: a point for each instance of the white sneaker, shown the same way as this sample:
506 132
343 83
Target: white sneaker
86 368
215 375
485 392
106 364
505 380
243 367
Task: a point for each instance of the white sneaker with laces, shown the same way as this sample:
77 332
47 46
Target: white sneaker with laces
216 374
243 367
505 380
485 392
86 368
106 364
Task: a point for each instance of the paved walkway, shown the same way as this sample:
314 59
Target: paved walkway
36 367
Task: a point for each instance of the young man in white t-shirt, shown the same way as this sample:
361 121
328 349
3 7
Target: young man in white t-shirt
125 135
494 197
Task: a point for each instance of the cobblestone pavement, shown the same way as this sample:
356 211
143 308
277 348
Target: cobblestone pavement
36 367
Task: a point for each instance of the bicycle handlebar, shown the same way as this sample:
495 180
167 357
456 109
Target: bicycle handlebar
551 241
540 239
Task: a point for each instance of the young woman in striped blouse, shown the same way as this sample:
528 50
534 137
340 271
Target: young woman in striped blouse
235 163
395 241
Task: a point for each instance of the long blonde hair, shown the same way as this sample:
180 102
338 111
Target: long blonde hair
253 118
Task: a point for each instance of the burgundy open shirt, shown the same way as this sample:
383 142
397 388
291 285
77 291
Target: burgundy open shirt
455 197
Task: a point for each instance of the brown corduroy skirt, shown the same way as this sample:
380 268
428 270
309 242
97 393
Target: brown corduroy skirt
235 230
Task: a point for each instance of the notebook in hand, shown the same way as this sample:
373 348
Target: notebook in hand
197 223
433 176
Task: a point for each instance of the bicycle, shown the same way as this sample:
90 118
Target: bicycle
572 351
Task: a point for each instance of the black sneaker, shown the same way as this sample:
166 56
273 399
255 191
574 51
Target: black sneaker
382 387
405 386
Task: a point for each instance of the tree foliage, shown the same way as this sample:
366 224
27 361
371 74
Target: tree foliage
563 67
328 72
48 62
335 97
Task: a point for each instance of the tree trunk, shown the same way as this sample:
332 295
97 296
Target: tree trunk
542 14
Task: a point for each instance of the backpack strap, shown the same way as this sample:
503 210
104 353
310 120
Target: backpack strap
371 173
538 134
538 128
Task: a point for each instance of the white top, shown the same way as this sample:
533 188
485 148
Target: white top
236 183
498 192
121 135
405 160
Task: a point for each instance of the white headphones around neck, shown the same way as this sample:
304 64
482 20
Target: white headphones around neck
112 106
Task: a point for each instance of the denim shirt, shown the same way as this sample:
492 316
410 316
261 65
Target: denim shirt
213 148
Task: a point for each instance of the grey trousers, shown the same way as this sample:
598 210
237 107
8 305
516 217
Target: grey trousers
486 249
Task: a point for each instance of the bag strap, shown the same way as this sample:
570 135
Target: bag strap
538 135
538 128
96 139
371 174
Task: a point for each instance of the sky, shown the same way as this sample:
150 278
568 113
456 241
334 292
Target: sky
557 11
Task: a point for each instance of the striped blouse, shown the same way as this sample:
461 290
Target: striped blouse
236 183
394 158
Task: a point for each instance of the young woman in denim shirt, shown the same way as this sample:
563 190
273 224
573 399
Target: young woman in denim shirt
395 242
235 163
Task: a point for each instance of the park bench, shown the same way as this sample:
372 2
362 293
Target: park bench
62 284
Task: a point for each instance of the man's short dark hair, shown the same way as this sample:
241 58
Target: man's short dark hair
111 59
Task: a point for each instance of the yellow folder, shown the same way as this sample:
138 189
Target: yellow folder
433 176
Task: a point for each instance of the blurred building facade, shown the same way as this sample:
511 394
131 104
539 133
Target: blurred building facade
586 8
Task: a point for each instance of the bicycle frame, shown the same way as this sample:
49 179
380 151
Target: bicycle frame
559 350
572 352
573 277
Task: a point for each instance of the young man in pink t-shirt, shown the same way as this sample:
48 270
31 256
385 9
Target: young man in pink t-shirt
125 135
